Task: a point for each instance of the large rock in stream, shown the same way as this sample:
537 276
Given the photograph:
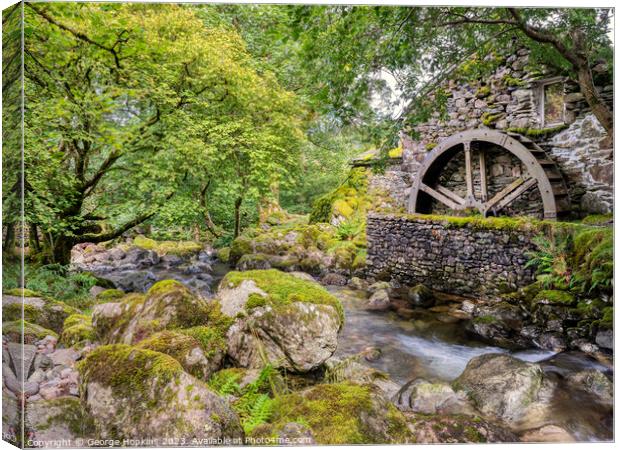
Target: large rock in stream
137 393
508 389
292 323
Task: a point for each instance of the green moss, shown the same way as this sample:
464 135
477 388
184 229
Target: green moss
109 295
538 132
283 288
513 82
342 208
396 152
223 254
180 248
226 381
597 219
488 118
360 260
349 199
607 321
430 146
211 339
128 370
13 311
77 329
240 246
485 319
337 414
483 91
19 292
68 411
32 332
554 297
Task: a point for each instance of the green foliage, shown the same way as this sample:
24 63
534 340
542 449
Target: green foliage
349 200
552 261
54 281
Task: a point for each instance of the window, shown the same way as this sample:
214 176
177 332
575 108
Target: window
552 104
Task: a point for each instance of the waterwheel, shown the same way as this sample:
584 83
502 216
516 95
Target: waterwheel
492 172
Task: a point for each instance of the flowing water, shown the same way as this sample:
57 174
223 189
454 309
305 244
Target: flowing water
430 348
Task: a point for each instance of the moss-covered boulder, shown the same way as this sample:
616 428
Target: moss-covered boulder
507 388
167 305
200 350
109 295
59 419
292 322
138 393
12 331
45 312
339 414
78 330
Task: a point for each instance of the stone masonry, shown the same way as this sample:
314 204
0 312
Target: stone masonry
460 259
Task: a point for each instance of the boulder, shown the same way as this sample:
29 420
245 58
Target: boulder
378 301
167 305
457 429
60 419
334 279
253 261
45 312
119 380
293 322
547 433
337 414
595 383
420 296
200 350
31 332
422 396
605 339
339 370
507 388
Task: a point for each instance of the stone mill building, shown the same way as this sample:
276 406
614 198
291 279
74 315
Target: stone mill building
522 141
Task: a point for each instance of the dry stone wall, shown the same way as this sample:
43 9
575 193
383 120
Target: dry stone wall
460 259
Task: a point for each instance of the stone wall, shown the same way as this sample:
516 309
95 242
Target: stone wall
510 101
465 258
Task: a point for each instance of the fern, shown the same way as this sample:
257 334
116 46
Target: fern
259 412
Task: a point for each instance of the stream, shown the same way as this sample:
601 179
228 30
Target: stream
436 349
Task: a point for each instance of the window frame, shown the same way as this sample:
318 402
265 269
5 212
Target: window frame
541 100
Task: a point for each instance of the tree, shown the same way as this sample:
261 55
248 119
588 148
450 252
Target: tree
421 46
121 99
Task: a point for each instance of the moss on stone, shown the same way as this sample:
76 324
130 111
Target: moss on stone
338 414
597 219
538 132
360 260
512 81
180 248
554 297
109 295
128 370
22 292
396 152
241 245
283 289
77 329
32 332
489 119
483 91
485 319
430 146
223 254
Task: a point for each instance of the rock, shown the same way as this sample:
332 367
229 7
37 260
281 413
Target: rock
64 357
298 336
595 383
457 430
421 296
605 339
349 369
46 313
303 276
200 350
11 424
253 261
131 280
167 305
371 353
96 290
378 286
547 433
118 380
339 414
294 433
378 301
30 332
61 419
424 397
334 279
358 283
507 388
293 322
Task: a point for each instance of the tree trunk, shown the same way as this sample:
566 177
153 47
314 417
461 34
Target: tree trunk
61 250
9 239
592 96
34 245
238 202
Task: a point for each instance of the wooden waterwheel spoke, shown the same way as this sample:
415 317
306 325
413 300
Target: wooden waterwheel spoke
483 175
469 176
510 193
443 195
